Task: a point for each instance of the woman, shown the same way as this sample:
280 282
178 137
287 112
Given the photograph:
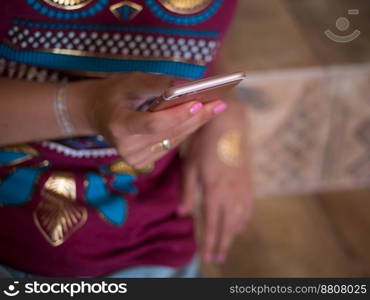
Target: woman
90 186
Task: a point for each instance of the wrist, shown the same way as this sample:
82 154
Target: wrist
80 104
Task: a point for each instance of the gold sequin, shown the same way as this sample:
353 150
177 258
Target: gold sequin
58 215
185 7
68 4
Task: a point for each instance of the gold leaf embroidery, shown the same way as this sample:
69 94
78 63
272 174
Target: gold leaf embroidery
119 166
61 184
185 7
26 149
68 4
136 9
57 216
21 148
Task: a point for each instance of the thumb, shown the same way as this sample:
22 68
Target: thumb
137 122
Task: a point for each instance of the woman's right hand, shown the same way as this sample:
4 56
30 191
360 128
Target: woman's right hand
138 135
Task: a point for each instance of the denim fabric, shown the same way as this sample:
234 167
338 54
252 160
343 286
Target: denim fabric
190 270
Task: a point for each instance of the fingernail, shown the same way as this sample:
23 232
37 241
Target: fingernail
220 108
196 108
208 258
221 258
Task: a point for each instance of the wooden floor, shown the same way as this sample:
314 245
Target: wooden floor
321 235
324 235
285 34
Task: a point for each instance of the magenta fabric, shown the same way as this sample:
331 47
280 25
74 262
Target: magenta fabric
151 234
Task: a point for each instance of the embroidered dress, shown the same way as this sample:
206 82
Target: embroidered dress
72 207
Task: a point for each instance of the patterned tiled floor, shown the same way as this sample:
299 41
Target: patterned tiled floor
310 129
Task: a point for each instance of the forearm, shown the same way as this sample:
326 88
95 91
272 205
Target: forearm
27 111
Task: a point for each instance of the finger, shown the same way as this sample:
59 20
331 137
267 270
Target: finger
189 126
136 87
136 82
211 216
157 122
137 143
149 155
226 235
143 144
182 130
247 212
158 82
241 226
138 149
189 187
199 113
178 82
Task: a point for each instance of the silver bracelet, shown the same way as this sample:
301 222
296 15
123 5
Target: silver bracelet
61 111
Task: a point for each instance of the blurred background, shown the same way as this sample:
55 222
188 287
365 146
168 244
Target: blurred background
308 96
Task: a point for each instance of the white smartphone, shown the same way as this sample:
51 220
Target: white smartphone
203 90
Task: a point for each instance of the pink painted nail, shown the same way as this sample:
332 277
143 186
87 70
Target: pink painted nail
220 108
196 108
208 258
221 258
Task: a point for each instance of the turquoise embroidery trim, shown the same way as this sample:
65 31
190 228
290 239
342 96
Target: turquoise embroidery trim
7 157
141 29
126 12
113 207
67 15
93 64
164 15
123 183
17 188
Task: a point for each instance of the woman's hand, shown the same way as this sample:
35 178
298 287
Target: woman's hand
138 135
224 181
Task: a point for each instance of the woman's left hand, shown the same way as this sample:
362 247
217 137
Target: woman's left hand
216 161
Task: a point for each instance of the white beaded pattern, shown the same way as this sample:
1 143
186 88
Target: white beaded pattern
79 153
117 43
